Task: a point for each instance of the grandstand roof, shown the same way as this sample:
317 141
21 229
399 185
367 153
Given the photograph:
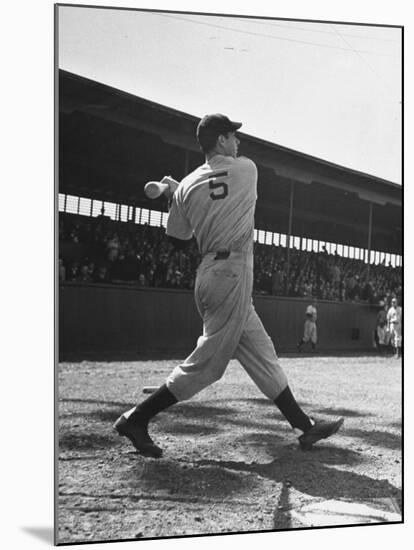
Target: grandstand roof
112 142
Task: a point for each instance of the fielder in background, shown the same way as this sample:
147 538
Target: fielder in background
381 329
310 332
394 323
216 204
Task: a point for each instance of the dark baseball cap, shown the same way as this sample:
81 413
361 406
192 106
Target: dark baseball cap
216 125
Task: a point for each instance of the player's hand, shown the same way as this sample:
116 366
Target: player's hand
172 186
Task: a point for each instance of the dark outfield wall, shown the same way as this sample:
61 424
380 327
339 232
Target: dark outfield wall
108 321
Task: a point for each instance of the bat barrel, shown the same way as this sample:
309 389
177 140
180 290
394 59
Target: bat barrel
154 189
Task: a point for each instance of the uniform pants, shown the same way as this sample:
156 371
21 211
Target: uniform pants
310 331
395 333
382 335
231 329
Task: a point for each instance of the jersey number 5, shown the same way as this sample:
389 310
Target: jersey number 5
220 189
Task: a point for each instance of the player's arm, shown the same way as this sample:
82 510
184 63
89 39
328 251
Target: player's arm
172 186
248 170
179 230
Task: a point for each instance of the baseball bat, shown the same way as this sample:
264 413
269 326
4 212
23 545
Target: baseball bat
154 189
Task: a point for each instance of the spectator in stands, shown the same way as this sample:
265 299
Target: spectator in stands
73 271
367 293
352 288
74 234
62 270
101 274
142 280
331 277
117 272
307 288
83 274
113 247
91 269
335 272
278 281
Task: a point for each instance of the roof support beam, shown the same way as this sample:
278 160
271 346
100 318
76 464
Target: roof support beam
289 232
369 234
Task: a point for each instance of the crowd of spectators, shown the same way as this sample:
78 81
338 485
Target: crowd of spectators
101 250
324 276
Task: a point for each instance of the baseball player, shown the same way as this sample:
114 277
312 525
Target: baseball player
216 204
381 329
394 318
310 333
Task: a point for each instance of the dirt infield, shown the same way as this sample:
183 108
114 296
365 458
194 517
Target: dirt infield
231 463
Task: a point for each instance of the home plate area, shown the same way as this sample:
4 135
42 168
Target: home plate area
342 512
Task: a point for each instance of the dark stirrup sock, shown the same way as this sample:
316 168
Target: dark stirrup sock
155 403
292 412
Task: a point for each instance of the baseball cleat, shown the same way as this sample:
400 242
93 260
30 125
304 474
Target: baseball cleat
138 436
320 430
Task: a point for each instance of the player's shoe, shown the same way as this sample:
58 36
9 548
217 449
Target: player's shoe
320 430
138 436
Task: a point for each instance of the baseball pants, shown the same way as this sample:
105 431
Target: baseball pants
395 333
382 336
310 332
231 329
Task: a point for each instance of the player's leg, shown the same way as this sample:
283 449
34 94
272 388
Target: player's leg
381 335
313 335
223 319
307 332
258 357
397 341
302 341
392 339
133 424
219 290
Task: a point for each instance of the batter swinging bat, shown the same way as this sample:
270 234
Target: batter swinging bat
154 189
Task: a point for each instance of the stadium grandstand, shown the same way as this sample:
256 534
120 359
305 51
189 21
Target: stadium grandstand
322 231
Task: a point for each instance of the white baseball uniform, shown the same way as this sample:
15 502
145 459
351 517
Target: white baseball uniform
310 330
394 317
216 204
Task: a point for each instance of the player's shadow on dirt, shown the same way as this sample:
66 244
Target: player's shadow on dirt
192 483
182 428
313 474
96 402
216 419
377 438
198 410
350 413
107 416
84 441
260 401
210 418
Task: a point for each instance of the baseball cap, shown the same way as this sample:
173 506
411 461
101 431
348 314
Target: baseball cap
214 125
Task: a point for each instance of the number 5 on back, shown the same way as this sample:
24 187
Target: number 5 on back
220 189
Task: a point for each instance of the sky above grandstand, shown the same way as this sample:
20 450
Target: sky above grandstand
329 90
